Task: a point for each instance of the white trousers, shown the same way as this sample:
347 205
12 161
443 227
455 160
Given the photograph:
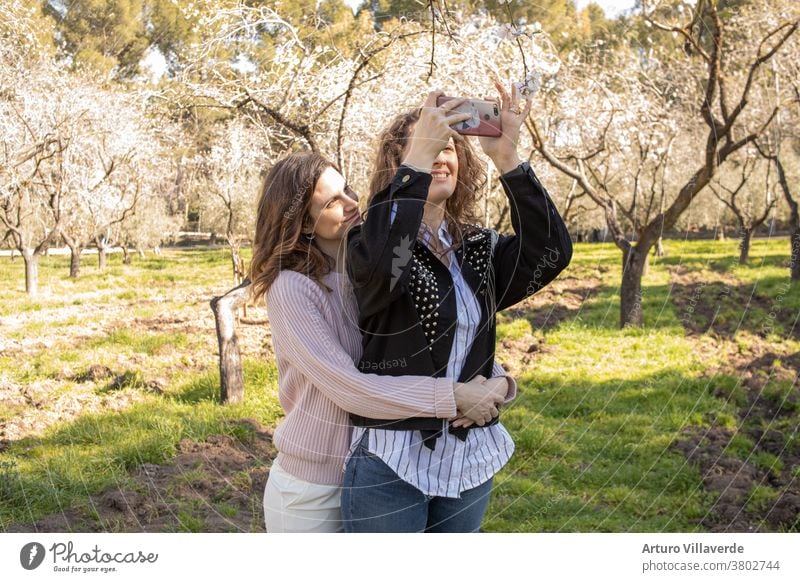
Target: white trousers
292 505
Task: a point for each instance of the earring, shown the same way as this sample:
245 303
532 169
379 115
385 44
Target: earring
310 237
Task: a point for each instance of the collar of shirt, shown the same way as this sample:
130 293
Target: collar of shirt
424 235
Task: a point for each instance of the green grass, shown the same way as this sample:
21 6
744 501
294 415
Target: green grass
741 447
594 423
597 415
768 462
593 436
189 523
226 510
761 498
150 344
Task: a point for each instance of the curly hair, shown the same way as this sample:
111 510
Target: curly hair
460 207
283 214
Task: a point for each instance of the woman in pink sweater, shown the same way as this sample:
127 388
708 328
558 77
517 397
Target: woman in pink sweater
304 212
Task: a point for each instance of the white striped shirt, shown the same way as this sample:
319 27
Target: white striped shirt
455 466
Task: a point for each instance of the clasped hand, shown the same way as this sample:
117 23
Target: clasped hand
478 401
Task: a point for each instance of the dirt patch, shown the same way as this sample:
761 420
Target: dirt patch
729 478
756 489
95 373
517 355
734 482
187 325
46 403
211 486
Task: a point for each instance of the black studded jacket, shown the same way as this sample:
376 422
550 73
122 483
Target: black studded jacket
407 307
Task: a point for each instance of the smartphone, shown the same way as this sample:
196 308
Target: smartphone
485 118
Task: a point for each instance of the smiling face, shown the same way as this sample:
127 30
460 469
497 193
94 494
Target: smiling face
458 172
444 172
334 208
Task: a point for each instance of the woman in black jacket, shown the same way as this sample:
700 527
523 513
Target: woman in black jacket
428 284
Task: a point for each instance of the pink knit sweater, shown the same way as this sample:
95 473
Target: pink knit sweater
316 339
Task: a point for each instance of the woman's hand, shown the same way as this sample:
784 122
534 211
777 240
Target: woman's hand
478 401
461 422
432 132
503 150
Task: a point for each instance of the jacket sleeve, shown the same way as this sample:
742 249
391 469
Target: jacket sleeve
303 336
540 248
379 251
498 370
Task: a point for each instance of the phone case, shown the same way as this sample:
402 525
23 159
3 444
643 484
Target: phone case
485 117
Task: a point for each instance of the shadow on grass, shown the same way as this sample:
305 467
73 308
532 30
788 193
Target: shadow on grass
769 306
598 307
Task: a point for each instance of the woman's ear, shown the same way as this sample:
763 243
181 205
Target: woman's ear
307 231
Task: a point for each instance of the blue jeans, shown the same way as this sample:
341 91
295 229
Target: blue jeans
375 499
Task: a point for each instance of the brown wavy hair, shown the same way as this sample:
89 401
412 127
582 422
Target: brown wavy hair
283 214
460 207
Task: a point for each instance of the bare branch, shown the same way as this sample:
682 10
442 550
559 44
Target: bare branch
789 29
300 129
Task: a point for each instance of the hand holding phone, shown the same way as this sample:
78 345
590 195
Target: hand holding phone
484 120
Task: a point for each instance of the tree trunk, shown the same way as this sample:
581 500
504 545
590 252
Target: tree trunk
74 260
238 268
721 234
633 264
13 256
140 252
126 255
237 264
101 257
31 272
744 245
660 249
794 221
230 357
